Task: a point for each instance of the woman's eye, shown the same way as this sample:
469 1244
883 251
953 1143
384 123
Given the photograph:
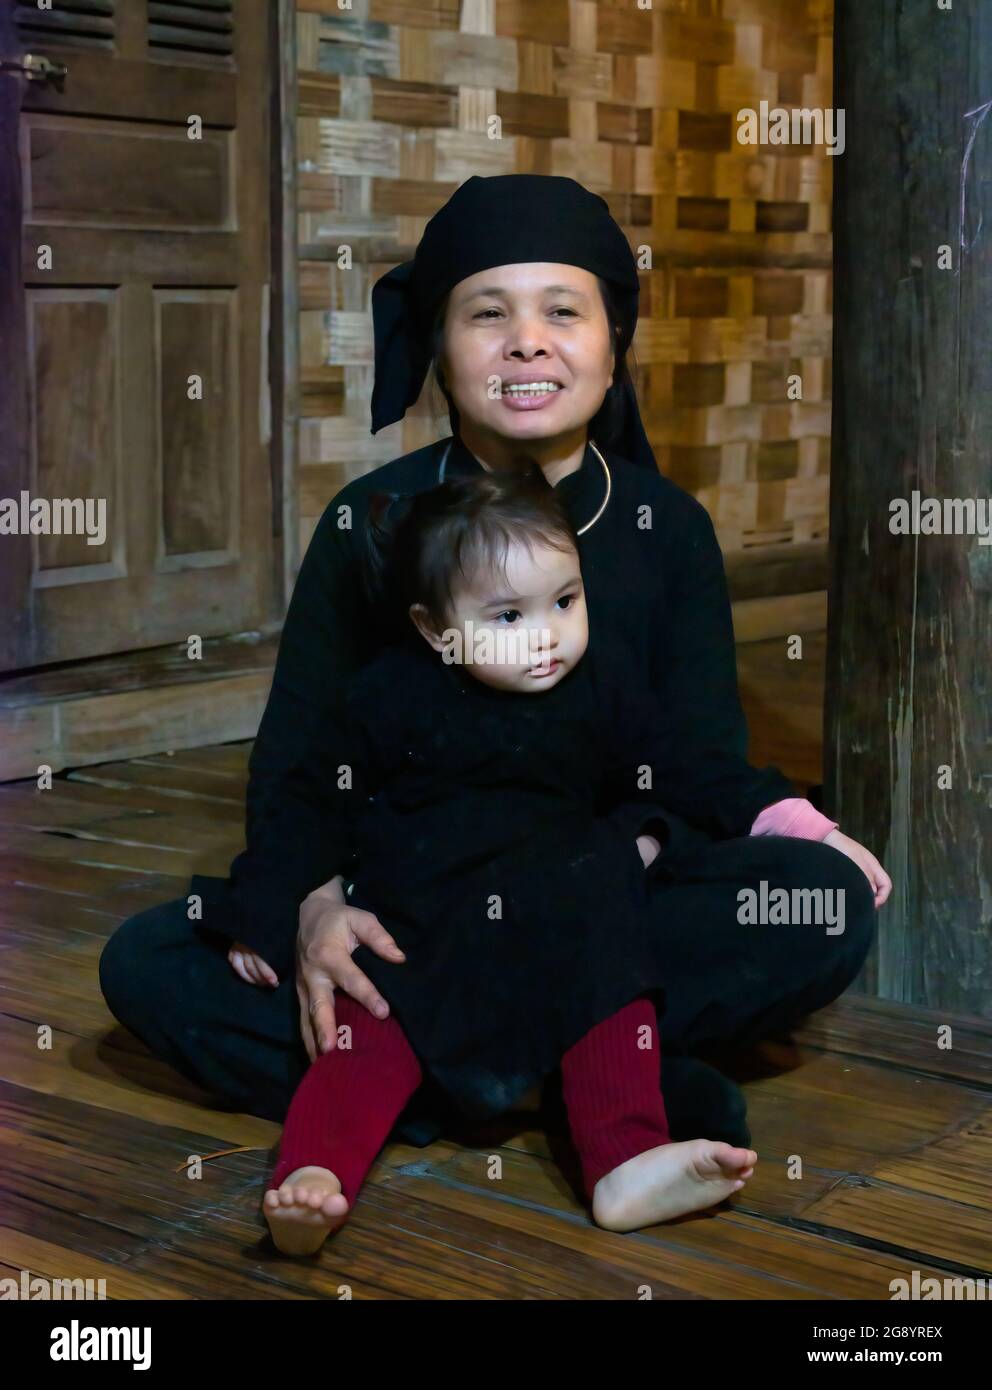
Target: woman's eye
561 310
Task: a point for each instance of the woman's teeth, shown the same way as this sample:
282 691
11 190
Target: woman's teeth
534 388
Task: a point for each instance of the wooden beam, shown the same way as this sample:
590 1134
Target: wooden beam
756 619
768 571
135 704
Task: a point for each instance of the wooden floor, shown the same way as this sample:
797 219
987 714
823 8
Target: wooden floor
894 1135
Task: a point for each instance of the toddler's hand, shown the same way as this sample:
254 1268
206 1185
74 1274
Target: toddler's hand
649 849
876 875
250 966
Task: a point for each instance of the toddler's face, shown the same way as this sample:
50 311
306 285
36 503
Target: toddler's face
524 631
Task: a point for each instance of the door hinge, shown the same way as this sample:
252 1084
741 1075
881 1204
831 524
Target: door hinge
37 68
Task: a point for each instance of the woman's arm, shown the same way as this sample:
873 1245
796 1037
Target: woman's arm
799 819
714 785
697 744
795 817
292 826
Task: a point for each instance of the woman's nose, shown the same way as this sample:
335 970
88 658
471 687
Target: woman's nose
527 339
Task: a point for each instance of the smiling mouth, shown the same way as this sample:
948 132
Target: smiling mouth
536 388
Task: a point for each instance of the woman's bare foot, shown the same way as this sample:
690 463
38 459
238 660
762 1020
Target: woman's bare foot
305 1210
669 1181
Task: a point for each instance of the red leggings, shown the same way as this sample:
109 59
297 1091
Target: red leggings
349 1099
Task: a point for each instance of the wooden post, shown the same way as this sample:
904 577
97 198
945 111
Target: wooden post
908 727
284 360
15 550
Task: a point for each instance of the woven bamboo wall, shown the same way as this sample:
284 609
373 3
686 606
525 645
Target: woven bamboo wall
639 105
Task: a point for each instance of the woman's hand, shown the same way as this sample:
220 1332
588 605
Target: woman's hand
876 875
330 929
250 965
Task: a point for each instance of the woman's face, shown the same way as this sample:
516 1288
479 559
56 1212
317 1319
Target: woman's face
534 322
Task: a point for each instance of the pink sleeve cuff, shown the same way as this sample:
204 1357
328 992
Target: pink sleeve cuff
794 816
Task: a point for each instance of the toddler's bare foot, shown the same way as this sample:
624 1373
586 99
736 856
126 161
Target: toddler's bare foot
669 1181
305 1210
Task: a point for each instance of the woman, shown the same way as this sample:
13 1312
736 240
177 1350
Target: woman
523 295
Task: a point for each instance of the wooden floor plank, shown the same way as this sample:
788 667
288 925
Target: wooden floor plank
23 804
87 851
103 1185
112 792
225 760
167 775
958 1234
903 1035
52 812
55 986
396 1245
124 1080
958 1168
58 1261
176 782
170 834
732 1236
122 896
21 870
820 1112
637 1258
222 757
59 913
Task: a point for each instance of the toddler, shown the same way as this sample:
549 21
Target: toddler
469 772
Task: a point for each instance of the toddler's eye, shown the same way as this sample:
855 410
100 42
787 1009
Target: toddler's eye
506 612
566 599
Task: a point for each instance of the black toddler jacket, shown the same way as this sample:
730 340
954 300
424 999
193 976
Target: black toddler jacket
472 817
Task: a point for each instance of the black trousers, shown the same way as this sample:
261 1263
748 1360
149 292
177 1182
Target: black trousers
169 982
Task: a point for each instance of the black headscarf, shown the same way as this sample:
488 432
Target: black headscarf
502 220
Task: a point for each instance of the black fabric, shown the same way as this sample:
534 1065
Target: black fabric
506 219
473 813
659 588
727 987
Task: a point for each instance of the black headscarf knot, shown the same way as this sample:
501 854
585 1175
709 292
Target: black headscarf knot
503 220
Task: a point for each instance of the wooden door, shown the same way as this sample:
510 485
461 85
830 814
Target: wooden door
135 329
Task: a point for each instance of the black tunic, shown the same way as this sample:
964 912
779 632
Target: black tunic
654 580
471 814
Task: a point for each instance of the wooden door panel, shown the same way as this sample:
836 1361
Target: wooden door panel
149 176
74 347
145 265
197 439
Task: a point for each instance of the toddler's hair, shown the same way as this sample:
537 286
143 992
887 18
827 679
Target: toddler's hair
419 548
